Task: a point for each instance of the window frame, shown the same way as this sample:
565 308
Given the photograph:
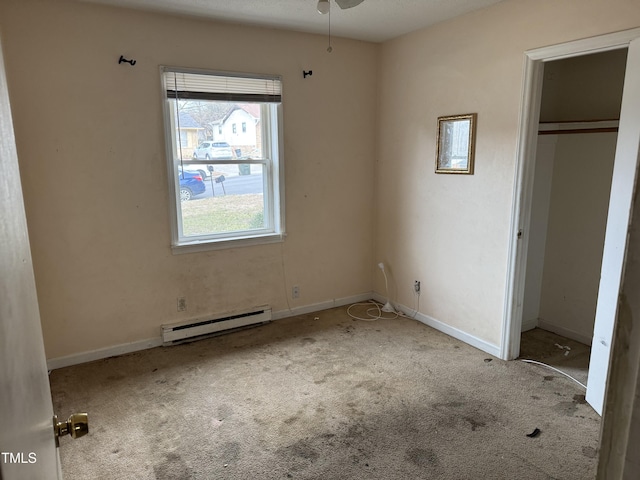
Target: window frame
273 174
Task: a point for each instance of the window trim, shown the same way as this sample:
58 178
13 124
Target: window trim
273 188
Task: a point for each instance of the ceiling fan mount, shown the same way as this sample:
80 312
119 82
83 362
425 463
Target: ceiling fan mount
324 6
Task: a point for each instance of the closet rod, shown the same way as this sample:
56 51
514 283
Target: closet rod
559 128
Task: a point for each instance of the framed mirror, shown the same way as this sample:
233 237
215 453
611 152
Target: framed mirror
456 137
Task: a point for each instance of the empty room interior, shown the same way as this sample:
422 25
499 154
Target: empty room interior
286 241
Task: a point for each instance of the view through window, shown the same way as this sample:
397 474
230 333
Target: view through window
225 179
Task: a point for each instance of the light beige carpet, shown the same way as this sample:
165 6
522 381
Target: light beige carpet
326 398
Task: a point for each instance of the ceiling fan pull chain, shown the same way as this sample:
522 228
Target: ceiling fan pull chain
329 48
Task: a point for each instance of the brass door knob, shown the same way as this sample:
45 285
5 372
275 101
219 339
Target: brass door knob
77 425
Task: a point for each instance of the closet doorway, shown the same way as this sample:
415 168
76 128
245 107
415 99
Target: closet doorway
577 135
622 187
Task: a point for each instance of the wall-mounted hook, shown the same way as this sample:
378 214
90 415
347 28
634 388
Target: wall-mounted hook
124 60
307 74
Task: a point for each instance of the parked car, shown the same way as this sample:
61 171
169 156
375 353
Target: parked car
191 184
213 151
196 168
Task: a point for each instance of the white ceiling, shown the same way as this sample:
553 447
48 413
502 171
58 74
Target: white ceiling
372 20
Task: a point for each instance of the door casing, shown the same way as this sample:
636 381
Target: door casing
523 191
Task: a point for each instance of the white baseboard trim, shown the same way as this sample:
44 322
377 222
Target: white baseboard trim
529 324
99 354
565 332
444 328
316 307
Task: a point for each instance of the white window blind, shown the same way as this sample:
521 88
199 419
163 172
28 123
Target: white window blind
225 87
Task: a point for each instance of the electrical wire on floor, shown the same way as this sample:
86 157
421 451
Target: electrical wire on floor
374 312
555 370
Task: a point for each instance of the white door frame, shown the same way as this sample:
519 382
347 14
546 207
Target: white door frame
525 166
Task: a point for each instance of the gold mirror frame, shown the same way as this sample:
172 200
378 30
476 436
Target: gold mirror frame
456 144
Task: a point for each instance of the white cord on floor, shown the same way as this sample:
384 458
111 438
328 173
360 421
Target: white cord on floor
374 307
416 303
555 370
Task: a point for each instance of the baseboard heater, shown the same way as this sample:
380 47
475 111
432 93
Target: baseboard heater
195 329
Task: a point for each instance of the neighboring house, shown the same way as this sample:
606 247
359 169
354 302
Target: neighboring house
240 128
190 133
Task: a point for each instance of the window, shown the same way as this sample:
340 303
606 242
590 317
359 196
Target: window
224 195
244 127
234 129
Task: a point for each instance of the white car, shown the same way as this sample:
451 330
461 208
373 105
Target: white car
210 150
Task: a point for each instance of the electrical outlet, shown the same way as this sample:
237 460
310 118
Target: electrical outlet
295 292
182 304
416 286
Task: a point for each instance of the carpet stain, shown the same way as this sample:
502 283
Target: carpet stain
579 399
173 467
566 408
589 452
356 431
462 414
301 450
230 452
308 341
548 378
475 423
293 419
327 376
224 411
446 406
370 386
421 457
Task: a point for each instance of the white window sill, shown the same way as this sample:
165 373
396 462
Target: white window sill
206 245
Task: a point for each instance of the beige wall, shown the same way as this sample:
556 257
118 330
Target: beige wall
584 88
582 172
91 149
451 232
538 223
